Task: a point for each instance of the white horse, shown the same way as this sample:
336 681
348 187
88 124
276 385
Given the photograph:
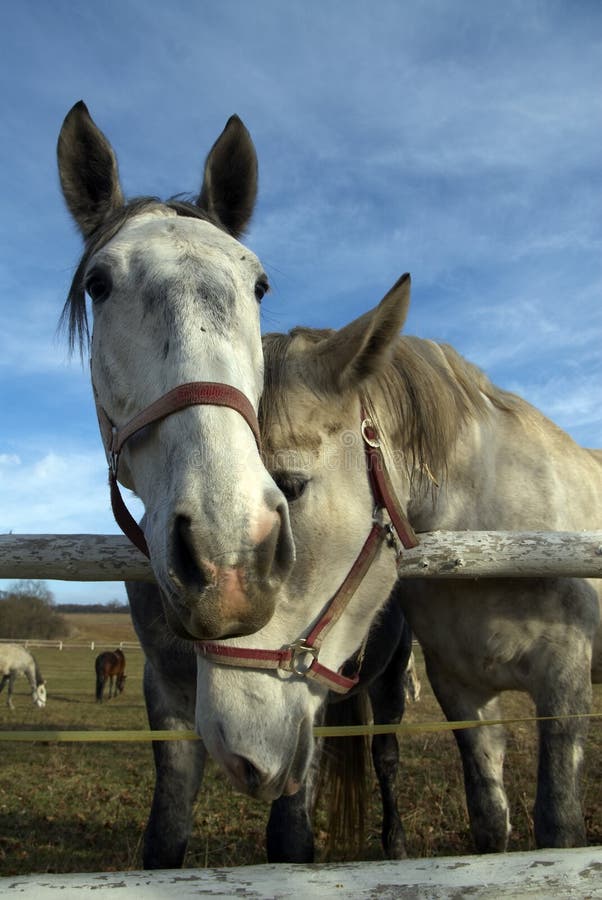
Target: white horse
175 297
460 454
16 660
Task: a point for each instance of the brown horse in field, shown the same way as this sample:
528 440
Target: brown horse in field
110 666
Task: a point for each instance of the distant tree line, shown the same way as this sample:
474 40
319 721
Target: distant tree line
27 610
113 606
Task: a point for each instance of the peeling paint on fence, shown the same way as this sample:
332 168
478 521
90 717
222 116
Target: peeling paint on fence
540 874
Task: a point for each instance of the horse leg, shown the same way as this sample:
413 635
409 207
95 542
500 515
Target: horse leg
387 696
11 685
482 752
179 771
289 835
289 832
2 683
563 689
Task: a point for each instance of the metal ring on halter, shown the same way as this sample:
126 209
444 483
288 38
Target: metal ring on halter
299 649
392 541
377 515
113 463
378 518
367 423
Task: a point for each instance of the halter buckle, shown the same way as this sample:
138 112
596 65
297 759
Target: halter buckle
300 651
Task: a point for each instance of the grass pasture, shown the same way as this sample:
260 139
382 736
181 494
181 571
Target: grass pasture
82 807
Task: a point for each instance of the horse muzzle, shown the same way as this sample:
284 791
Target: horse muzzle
232 597
224 608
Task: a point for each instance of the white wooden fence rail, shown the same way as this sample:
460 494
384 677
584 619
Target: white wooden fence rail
440 554
72 645
560 874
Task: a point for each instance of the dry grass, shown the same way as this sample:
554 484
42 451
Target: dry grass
100 627
69 807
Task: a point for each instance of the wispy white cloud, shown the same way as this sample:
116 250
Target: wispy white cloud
56 492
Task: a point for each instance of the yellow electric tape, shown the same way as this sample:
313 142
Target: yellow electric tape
319 730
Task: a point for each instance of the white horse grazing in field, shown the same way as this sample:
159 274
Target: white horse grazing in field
450 451
16 660
175 298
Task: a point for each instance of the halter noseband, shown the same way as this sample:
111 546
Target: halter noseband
195 393
301 657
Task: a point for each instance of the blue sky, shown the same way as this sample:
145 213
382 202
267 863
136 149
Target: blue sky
459 141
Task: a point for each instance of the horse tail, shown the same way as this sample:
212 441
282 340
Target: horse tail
411 680
343 777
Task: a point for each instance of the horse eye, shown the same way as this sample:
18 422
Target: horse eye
98 285
291 484
261 289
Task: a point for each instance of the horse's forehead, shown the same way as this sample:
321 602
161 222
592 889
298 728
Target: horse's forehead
305 426
164 238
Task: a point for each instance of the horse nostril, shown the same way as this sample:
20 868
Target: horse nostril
265 552
248 773
184 564
275 555
252 776
284 552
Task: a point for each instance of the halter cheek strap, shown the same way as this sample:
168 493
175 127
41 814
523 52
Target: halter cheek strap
301 657
195 393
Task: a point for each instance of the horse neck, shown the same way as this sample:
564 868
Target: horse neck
37 674
451 496
548 481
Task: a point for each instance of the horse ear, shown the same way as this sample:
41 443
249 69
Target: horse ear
229 186
361 349
88 170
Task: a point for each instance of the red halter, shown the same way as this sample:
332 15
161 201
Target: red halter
301 657
208 393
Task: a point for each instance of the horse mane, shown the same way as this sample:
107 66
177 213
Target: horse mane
428 392
74 315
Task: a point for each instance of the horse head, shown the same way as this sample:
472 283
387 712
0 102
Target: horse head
319 388
175 297
39 695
